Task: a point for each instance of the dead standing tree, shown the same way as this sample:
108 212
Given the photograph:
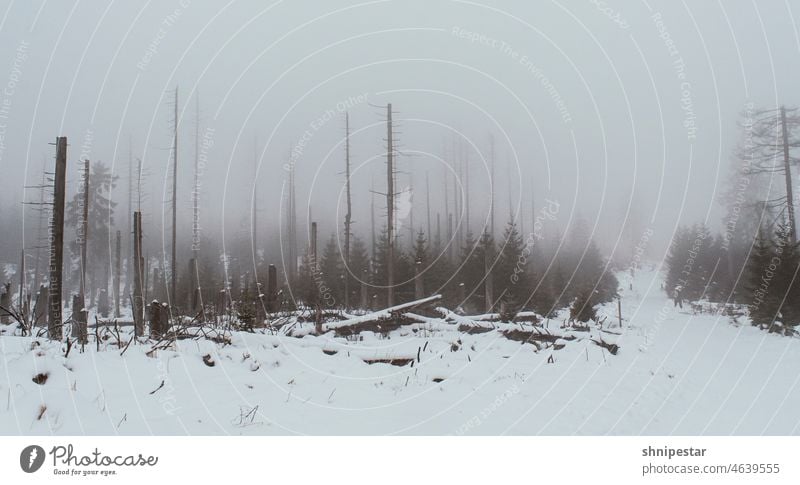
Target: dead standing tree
315 277
173 277
79 313
291 226
390 238
348 216
773 137
138 280
55 321
117 273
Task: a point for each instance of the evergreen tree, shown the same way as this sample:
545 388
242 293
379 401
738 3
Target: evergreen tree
690 263
470 273
358 270
101 220
785 279
511 278
440 278
763 303
594 284
304 291
331 269
403 271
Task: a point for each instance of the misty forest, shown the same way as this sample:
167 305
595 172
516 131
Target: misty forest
449 222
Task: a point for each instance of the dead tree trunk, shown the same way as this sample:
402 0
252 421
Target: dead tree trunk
364 303
491 185
22 283
79 312
272 289
80 317
449 234
155 292
389 207
314 277
117 274
173 277
372 217
787 173
155 319
348 215
55 320
418 287
291 270
138 279
193 284
84 231
5 302
40 316
488 282
428 203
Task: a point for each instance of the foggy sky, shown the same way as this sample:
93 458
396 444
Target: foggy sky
616 110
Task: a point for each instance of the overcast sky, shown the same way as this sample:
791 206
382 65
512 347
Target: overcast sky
604 107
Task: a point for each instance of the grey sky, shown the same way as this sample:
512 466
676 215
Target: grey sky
596 110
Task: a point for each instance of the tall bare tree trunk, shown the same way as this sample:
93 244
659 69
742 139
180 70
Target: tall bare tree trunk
348 215
372 216
138 280
488 282
419 290
292 223
466 191
788 178
84 231
389 207
194 297
314 276
449 234
174 263
272 289
117 274
491 185
428 203
21 306
438 231
39 230
128 245
55 320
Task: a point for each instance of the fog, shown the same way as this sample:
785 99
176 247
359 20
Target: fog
622 113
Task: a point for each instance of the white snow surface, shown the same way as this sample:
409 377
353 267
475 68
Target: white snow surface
675 374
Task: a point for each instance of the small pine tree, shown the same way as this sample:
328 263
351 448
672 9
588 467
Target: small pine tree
786 279
470 273
101 219
358 270
593 284
764 303
403 270
332 274
511 278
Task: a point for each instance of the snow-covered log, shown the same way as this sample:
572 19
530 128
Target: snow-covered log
385 314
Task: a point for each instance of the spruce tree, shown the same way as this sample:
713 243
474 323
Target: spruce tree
101 219
331 268
593 284
358 270
763 302
511 275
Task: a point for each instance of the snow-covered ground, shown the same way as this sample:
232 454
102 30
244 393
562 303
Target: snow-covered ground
675 373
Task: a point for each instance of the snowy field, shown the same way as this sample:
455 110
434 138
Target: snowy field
675 374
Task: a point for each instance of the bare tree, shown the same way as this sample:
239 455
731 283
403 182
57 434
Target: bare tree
348 216
773 136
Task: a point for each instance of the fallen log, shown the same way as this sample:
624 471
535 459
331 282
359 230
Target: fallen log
395 312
